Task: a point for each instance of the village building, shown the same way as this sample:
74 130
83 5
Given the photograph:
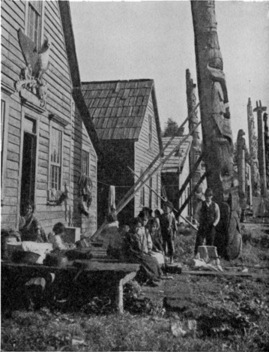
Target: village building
49 146
125 116
176 170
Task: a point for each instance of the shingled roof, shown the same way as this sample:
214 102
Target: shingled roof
176 162
117 108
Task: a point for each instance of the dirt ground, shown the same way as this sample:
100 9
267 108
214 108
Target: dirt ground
186 312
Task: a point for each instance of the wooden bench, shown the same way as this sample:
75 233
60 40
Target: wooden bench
116 275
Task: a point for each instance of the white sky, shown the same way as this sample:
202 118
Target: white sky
134 40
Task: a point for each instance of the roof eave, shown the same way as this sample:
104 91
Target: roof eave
65 12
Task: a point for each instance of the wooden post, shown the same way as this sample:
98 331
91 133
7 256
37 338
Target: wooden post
195 151
163 199
266 147
190 176
241 167
192 193
253 150
261 147
216 119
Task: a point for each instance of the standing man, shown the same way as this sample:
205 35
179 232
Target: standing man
168 229
209 216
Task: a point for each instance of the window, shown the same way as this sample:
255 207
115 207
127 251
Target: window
157 191
34 21
150 130
150 192
142 191
56 159
85 163
3 120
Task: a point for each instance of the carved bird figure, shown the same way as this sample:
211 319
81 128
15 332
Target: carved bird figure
37 62
42 62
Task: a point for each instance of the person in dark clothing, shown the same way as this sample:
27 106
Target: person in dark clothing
209 216
168 230
137 250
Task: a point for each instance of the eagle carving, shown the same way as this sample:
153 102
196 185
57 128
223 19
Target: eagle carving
37 63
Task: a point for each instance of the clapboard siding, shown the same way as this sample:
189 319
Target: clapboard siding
58 103
144 155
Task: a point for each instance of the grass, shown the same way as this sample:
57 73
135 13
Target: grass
230 314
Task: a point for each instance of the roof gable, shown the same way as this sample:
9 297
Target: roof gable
177 160
118 107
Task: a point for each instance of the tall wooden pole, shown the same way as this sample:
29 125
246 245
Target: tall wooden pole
241 167
266 146
214 105
216 122
195 151
253 150
261 147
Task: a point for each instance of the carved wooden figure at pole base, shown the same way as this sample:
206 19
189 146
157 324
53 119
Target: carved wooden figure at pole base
216 125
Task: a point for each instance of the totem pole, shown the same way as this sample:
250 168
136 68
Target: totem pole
195 151
266 144
253 150
241 167
261 147
216 124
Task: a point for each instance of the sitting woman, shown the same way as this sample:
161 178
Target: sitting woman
137 250
29 227
56 238
156 249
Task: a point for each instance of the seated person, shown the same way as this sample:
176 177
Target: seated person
137 250
156 248
155 236
29 227
56 238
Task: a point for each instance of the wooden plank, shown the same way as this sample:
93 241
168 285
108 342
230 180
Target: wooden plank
223 273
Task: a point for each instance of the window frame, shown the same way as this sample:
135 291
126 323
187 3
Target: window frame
150 128
142 197
52 199
157 191
4 142
89 162
150 191
32 6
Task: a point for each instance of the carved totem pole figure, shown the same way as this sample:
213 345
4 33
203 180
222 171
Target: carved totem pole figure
261 147
253 149
195 151
266 143
216 124
241 154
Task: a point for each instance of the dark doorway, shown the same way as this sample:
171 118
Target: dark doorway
28 169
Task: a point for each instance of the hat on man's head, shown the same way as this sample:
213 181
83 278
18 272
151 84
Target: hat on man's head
169 204
209 192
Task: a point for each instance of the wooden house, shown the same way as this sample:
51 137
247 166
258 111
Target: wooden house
175 171
126 119
49 145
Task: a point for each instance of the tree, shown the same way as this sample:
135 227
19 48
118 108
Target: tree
172 129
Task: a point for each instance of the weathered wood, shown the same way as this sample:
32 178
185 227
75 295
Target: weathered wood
261 147
253 150
192 193
216 119
119 297
195 166
224 273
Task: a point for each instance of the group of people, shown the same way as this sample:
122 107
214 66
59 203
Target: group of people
31 230
148 240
